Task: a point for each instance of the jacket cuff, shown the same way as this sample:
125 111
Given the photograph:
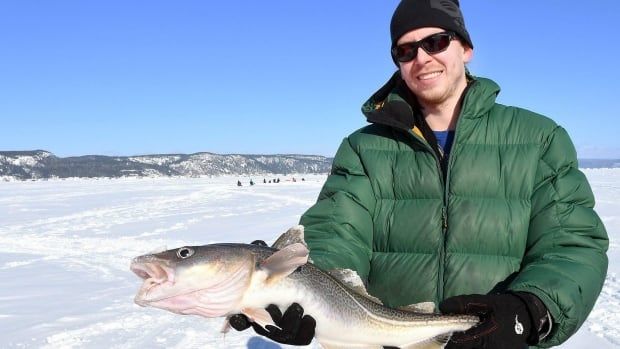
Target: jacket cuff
539 315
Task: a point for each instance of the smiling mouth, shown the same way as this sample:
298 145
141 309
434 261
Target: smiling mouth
429 76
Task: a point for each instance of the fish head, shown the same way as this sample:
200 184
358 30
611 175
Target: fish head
205 280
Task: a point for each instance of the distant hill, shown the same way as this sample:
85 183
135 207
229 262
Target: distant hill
599 163
41 164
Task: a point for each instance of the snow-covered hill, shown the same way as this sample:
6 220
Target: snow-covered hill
40 164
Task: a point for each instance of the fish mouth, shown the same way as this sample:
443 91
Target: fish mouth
155 270
155 274
161 288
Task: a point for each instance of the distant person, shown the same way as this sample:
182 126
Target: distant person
303 179
264 181
239 183
450 197
270 181
278 180
251 182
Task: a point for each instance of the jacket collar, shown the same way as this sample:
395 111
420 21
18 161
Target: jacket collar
394 104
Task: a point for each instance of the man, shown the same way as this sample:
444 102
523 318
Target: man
450 197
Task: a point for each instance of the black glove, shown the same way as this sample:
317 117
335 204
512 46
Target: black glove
506 320
295 327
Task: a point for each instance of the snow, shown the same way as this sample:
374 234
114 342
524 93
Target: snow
65 248
25 160
156 160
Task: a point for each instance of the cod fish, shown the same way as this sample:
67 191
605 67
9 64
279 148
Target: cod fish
219 280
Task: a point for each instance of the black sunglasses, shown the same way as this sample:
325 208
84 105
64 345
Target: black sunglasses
431 44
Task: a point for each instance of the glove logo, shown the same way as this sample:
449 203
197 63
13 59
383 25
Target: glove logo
518 325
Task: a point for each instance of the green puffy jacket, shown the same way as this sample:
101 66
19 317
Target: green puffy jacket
513 212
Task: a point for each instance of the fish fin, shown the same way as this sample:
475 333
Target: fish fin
226 326
438 342
424 307
260 316
352 280
292 236
285 261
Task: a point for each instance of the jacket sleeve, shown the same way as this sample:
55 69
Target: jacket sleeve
565 261
338 228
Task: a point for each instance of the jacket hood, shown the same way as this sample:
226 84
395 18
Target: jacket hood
395 105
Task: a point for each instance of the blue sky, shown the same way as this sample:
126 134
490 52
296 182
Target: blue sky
138 77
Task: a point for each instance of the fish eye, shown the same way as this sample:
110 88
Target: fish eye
185 252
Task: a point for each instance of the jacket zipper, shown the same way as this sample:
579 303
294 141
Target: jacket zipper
444 213
446 188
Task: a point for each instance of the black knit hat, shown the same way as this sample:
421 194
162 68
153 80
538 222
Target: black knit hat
414 14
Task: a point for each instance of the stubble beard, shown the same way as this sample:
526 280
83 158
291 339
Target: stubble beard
439 95
436 96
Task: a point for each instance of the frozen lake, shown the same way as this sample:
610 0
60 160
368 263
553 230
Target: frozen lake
65 248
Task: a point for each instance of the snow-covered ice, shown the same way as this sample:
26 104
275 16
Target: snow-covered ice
65 248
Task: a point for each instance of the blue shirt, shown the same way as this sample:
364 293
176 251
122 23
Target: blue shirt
444 140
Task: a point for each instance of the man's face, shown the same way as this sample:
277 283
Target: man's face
439 78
